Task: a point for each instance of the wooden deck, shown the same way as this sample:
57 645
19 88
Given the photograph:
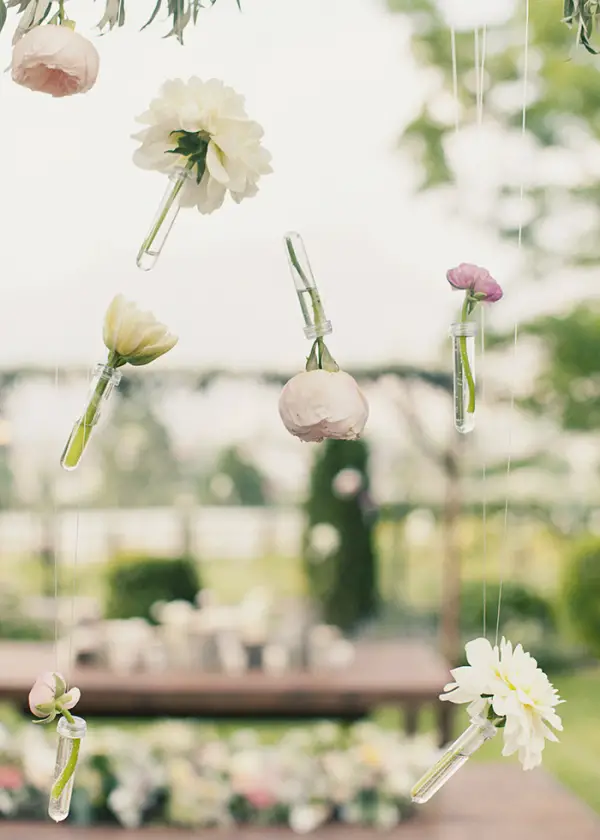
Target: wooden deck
482 802
404 674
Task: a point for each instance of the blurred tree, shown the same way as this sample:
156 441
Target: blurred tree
338 544
582 593
556 164
140 467
559 162
235 480
567 387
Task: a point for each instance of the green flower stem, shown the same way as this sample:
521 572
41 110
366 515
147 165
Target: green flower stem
83 430
71 764
315 298
177 187
464 356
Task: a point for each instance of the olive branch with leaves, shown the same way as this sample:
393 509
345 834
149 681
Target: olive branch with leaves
182 13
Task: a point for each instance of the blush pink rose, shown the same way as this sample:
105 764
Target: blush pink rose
475 279
55 60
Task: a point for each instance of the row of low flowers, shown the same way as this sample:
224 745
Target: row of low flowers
181 774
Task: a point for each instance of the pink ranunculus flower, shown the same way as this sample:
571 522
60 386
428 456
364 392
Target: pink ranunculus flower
319 404
475 279
49 697
56 60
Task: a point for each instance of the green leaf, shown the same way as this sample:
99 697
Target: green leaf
152 17
3 14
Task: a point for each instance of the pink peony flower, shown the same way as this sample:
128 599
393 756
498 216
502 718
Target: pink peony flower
49 697
475 279
55 60
319 404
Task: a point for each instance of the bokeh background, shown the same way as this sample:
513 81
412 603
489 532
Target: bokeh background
192 491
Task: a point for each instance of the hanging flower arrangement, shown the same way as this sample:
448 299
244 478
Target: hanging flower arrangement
199 134
49 699
505 691
479 287
322 401
182 13
132 337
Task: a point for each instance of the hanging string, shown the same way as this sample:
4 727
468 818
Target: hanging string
54 550
504 548
73 596
480 51
455 81
70 661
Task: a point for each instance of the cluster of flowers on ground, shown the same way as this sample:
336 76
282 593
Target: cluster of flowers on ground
181 774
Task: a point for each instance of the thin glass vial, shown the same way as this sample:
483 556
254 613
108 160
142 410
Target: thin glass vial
316 324
70 736
151 247
480 731
463 353
105 379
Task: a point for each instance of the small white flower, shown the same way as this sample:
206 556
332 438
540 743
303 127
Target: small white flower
235 158
135 336
319 404
347 482
510 681
324 539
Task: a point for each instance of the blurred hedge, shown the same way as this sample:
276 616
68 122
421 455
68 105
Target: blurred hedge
134 584
581 593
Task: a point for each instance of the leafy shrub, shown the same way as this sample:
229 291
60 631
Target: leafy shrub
134 584
342 578
519 604
582 593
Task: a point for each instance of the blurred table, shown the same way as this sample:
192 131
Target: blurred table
407 674
482 802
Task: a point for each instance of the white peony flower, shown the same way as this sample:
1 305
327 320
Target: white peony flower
135 336
208 124
319 404
510 681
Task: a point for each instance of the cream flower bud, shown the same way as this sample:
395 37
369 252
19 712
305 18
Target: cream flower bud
55 60
319 404
49 696
136 336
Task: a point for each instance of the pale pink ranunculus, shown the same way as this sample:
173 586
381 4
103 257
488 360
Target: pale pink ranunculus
475 279
55 60
49 696
319 404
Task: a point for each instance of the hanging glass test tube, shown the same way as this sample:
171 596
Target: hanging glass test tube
316 324
480 731
105 379
70 736
151 247
463 351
